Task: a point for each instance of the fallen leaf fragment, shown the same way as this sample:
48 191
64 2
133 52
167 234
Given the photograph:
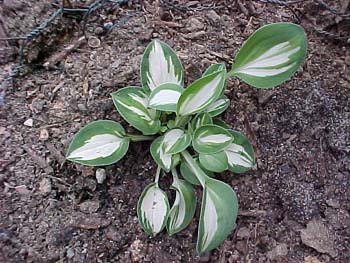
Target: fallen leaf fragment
318 236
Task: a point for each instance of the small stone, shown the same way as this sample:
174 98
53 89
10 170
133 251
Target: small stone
205 257
94 42
213 16
2 130
113 234
243 233
82 107
22 190
99 30
93 221
280 250
333 203
108 25
89 206
194 25
100 175
29 122
45 186
70 253
146 36
347 60
44 135
37 105
310 259
4 235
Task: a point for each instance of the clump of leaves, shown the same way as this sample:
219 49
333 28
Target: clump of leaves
193 143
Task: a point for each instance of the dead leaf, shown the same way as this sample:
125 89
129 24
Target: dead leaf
317 236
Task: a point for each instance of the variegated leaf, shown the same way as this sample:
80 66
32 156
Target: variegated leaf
218 214
201 93
152 209
184 207
98 143
240 153
131 102
215 162
175 141
165 97
210 139
219 209
271 55
218 107
160 65
214 68
163 159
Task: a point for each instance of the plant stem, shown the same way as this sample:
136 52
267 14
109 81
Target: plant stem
201 176
139 138
156 179
175 175
229 74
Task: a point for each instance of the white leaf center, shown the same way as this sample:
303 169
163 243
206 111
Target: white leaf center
215 138
171 137
210 220
98 146
268 64
161 69
165 97
237 155
202 97
154 208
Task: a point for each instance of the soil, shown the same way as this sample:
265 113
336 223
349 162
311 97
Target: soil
294 207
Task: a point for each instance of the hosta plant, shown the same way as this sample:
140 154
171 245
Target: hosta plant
190 142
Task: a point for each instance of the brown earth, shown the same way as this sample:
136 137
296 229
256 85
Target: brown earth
294 207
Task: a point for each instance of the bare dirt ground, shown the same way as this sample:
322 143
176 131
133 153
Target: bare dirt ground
294 207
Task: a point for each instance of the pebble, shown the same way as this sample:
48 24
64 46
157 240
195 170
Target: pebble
347 60
45 186
213 16
279 251
243 232
94 42
29 122
205 257
70 253
90 222
44 135
4 235
194 25
82 107
333 203
99 30
89 206
113 234
22 189
37 105
100 175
